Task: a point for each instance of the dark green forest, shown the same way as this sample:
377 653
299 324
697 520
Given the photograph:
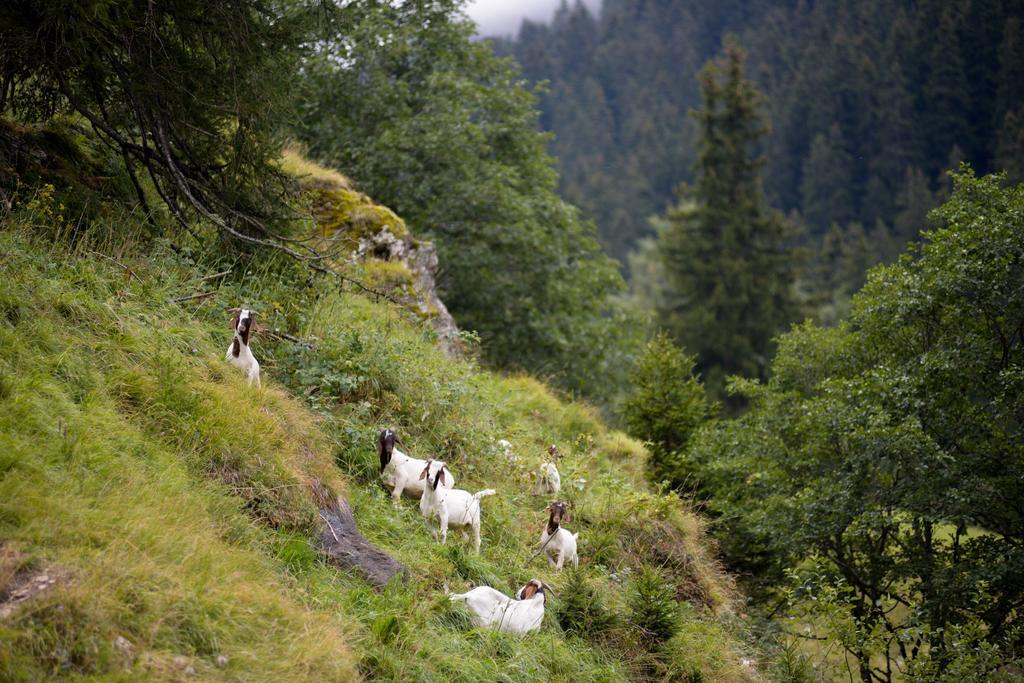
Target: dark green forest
867 105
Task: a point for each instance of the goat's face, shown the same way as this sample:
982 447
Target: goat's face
386 442
558 510
242 324
439 474
533 587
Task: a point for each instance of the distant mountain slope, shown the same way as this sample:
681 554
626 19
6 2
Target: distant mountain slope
865 99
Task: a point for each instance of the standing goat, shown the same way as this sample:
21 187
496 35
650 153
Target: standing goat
494 609
556 540
239 354
452 507
400 472
549 483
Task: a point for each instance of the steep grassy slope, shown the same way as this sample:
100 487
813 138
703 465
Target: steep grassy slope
169 506
136 467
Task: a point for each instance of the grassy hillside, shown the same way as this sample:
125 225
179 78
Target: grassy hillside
157 515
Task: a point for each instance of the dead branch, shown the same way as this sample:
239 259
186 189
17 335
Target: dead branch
192 297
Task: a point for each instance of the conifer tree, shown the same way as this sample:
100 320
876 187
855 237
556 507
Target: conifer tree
827 181
729 269
946 94
1010 145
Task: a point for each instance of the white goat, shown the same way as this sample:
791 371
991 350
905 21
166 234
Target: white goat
452 507
400 472
548 481
494 609
239 353
558 541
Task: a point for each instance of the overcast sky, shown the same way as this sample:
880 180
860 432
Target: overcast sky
502 17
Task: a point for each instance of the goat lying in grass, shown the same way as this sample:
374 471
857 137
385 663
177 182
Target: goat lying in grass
549 483
400 472
452 507
494 609
239 354
562 543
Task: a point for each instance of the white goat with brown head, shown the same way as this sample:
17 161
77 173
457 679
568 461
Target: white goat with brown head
452 507
493 609
555 540
239 354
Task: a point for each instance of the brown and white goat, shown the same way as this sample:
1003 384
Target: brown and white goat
400 472
493 609
556 540
452 507
239 354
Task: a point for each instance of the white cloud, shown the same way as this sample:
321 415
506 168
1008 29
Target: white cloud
503 17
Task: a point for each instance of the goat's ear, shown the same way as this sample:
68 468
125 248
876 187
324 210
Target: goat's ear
234 322
382 450
439 478
426 469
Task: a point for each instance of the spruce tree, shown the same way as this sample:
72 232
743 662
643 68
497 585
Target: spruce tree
827 181
729 271
947 95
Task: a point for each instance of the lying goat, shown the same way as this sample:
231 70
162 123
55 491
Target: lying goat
548 481
494 609
400 472
239 354
452 507
558 541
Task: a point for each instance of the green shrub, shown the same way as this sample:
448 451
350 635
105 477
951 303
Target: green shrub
652 606
664 408
581 611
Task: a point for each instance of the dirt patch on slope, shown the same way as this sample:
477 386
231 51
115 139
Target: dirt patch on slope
21 579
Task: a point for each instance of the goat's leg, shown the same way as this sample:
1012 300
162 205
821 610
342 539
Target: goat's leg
396 493
443 518
561 560
476 534
547 554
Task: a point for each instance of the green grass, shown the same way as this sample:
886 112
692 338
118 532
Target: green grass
146 474
175 502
